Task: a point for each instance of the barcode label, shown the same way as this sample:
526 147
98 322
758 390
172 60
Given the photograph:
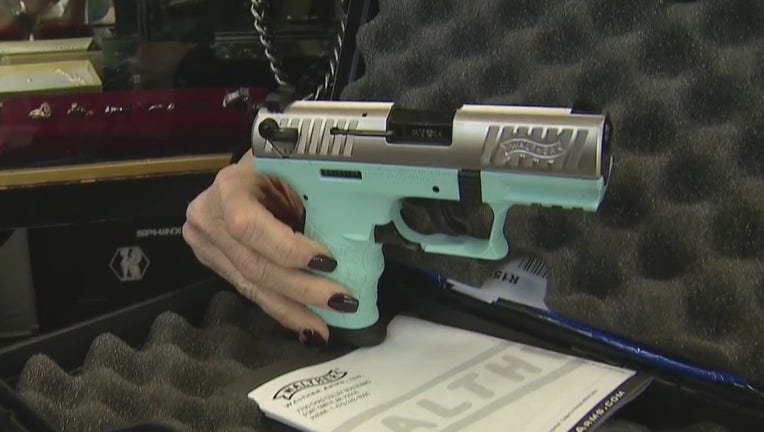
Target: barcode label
522 281
534 266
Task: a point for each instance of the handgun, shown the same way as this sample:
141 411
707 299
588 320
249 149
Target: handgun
354 163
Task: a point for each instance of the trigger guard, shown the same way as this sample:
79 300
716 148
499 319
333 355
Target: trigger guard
389 235
485 249
438 215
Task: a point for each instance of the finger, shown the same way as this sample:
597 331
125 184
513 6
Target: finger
289 195
287 312
278 193
251 224
280 202
295 284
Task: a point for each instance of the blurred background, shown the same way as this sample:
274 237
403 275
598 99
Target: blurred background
112 118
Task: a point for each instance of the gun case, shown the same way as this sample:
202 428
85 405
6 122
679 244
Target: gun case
673 261
173 363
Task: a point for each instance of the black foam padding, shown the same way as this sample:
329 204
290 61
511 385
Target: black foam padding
182 376
675 256
178 377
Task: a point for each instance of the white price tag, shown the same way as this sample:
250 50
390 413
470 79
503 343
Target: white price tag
522 281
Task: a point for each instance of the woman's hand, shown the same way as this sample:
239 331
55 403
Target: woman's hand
242 228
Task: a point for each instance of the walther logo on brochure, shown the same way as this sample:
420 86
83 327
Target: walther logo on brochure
291 389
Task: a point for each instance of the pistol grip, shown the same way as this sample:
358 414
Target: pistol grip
359 266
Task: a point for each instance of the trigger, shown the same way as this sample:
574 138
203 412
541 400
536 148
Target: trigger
389 235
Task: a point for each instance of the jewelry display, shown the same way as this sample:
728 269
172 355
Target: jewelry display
68 76
59 125
35 80
75 108
119 111
74 79
45 46
158 107
113 110
41 113
44 111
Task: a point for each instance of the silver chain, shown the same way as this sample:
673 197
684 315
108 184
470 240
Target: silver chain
258 10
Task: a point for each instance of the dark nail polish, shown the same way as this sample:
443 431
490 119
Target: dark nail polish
312 339
343 303
323 263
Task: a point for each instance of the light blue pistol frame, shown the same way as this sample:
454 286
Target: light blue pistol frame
353 164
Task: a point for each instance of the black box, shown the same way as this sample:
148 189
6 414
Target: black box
82 271
18 314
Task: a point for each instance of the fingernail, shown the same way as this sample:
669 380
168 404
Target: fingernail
343 303
323 263
312 339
